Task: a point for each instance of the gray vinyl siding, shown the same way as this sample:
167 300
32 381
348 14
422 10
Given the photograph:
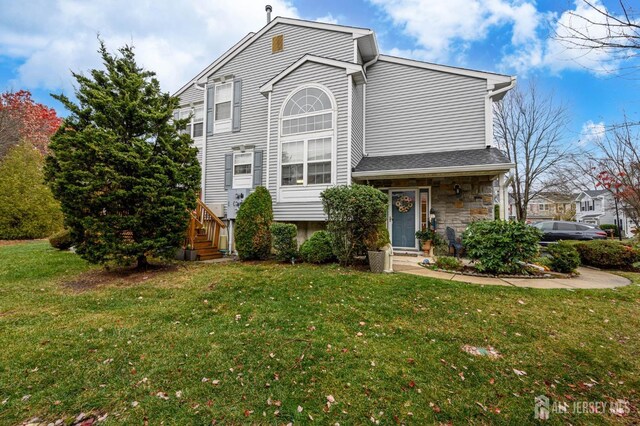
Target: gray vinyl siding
255 66
359 57
337 82
412 109
356 124
192 95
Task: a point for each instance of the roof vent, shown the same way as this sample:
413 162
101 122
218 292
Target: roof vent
268 9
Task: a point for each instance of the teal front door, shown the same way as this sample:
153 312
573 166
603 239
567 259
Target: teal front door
404 205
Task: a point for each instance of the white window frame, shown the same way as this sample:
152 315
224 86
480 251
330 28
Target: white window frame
307 192
224 125
244 180
191 110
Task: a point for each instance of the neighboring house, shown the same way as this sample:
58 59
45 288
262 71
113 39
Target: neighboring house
547 206
300 106
598 207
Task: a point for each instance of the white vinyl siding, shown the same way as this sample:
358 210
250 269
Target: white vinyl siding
300 202
256 65
411 110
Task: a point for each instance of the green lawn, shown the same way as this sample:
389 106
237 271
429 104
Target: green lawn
253 343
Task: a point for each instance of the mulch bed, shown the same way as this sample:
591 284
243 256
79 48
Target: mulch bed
91 280
533 274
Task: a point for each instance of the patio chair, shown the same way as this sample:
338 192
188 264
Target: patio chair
451 237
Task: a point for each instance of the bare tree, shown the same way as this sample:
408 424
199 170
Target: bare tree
614 163
597 28
528 125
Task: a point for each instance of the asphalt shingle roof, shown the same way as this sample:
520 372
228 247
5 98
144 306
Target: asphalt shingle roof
469 157
595 192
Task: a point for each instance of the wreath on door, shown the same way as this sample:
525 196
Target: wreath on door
404 203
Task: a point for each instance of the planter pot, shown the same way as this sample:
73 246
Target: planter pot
179 254
376 261
426 246
191 255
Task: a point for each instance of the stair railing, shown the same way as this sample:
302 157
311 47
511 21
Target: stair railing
204 222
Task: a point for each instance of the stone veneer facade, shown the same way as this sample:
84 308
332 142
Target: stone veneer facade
457 211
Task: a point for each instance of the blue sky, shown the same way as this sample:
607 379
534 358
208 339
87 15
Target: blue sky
42 40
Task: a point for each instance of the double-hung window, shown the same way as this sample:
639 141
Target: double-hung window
307 139
196 123
243 169
222 107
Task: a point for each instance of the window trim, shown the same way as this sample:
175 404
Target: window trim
222 124
305 137
191 110
243 176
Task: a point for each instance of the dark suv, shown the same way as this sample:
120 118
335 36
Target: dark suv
556 230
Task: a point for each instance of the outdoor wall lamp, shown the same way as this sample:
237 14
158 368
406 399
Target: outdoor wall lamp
457 189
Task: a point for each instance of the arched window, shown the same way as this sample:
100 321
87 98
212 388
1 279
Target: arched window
307 138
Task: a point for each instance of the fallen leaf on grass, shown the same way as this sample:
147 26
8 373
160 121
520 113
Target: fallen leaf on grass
300 409
520 372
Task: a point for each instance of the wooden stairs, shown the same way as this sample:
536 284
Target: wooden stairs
203 233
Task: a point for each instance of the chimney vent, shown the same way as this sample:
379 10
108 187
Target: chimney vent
268 9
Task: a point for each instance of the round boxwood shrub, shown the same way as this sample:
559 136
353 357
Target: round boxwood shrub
252 233
317 249
499 246
285 243
606 254
61 240
564 257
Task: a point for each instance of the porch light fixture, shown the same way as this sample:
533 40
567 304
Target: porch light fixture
457 189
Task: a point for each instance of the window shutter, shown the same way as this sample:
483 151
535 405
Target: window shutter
228 171
210 101
237 104
257 168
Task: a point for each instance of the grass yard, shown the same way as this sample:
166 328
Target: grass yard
268 343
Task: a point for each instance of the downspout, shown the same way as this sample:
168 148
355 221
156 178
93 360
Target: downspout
203 165
488 106
364 106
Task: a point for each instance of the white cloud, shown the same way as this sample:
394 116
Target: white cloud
591 132
442 27
444 30
174 39
328 19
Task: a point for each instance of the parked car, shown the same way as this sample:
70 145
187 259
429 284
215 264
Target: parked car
556 230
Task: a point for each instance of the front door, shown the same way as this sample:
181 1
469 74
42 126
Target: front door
404 205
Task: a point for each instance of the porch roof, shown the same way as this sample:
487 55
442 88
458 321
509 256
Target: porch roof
471 161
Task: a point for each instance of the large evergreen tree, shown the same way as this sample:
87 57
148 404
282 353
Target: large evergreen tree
124 175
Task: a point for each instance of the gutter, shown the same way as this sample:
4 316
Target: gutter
435 170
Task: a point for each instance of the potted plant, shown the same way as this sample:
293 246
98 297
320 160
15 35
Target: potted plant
190 253
426 238
376 241
180 253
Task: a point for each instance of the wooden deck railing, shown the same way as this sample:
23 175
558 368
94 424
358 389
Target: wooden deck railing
204 222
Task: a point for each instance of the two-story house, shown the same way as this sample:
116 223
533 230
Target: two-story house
598 207
547 206
300 106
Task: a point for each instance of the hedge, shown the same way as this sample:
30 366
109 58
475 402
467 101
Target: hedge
252 227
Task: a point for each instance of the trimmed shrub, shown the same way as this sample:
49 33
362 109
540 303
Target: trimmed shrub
317 249
606 254
564 257
606 227
27 207
353 213
285 242
500 247
449 263
252 233
61 240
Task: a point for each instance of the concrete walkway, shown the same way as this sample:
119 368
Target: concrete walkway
588 278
